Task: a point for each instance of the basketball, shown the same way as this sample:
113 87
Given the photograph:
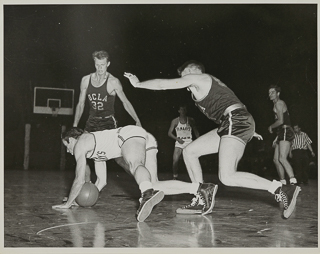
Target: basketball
88 195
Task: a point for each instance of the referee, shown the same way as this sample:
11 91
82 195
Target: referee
299 154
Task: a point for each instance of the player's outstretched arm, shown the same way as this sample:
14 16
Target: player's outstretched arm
101 172
126 103
80 156
82 100
161 84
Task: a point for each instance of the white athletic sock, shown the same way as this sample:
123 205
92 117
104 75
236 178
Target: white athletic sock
194 188
283 181
146 185
274 186
293 180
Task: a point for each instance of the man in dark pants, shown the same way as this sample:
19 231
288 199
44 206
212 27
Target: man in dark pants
299 154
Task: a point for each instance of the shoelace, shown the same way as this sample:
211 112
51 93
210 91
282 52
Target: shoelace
282 197
278 197
194 202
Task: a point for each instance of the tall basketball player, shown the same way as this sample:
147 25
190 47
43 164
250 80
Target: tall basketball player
285 135
100 89
183 125
236 128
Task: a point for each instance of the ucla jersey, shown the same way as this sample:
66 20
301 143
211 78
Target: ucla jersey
101 102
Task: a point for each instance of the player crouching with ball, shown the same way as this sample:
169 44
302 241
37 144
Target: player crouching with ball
139 149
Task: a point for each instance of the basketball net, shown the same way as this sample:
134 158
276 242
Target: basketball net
55 111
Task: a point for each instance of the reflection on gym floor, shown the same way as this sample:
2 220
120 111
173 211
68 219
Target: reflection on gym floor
241 217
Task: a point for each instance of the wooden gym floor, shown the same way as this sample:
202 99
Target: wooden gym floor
242 218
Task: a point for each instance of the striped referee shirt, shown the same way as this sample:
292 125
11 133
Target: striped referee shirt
301 141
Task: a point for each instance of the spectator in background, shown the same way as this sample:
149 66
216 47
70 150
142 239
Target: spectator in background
299 154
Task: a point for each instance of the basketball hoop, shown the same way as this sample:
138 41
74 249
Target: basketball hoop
55 111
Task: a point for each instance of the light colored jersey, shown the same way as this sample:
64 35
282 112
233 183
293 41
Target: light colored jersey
184 132
108 143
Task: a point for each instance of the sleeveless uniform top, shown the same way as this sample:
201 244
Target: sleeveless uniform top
218 99
106 145
184 130
101 102
286 118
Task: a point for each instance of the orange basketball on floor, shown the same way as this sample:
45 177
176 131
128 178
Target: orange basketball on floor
88 195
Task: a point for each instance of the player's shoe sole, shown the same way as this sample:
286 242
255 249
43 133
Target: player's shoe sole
287 213
148 206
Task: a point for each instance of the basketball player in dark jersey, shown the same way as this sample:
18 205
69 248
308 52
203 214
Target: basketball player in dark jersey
101 89
236 128
285 135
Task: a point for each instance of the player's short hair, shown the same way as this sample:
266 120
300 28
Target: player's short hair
275 87
74 132
191 63
100 55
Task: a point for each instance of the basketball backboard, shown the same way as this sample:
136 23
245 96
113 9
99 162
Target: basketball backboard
53 101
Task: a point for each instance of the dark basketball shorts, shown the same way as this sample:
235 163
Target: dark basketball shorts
238 124
100 123
285 134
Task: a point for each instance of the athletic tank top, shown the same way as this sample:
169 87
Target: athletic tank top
286 118
184 130
101 102
217 100
106 145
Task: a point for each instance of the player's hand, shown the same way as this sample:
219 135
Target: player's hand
132 78
258 136
274 143
63 206
181 141
270 129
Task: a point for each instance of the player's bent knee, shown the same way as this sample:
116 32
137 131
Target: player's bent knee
188 152
275 160
282 159
134 167
227 179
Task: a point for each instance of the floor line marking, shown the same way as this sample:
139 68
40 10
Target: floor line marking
71 224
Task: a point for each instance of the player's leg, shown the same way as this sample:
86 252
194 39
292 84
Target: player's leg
175 164
230 152
172 187
284 148
169 187
305 167
278 165
134 153
205 144
122 163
